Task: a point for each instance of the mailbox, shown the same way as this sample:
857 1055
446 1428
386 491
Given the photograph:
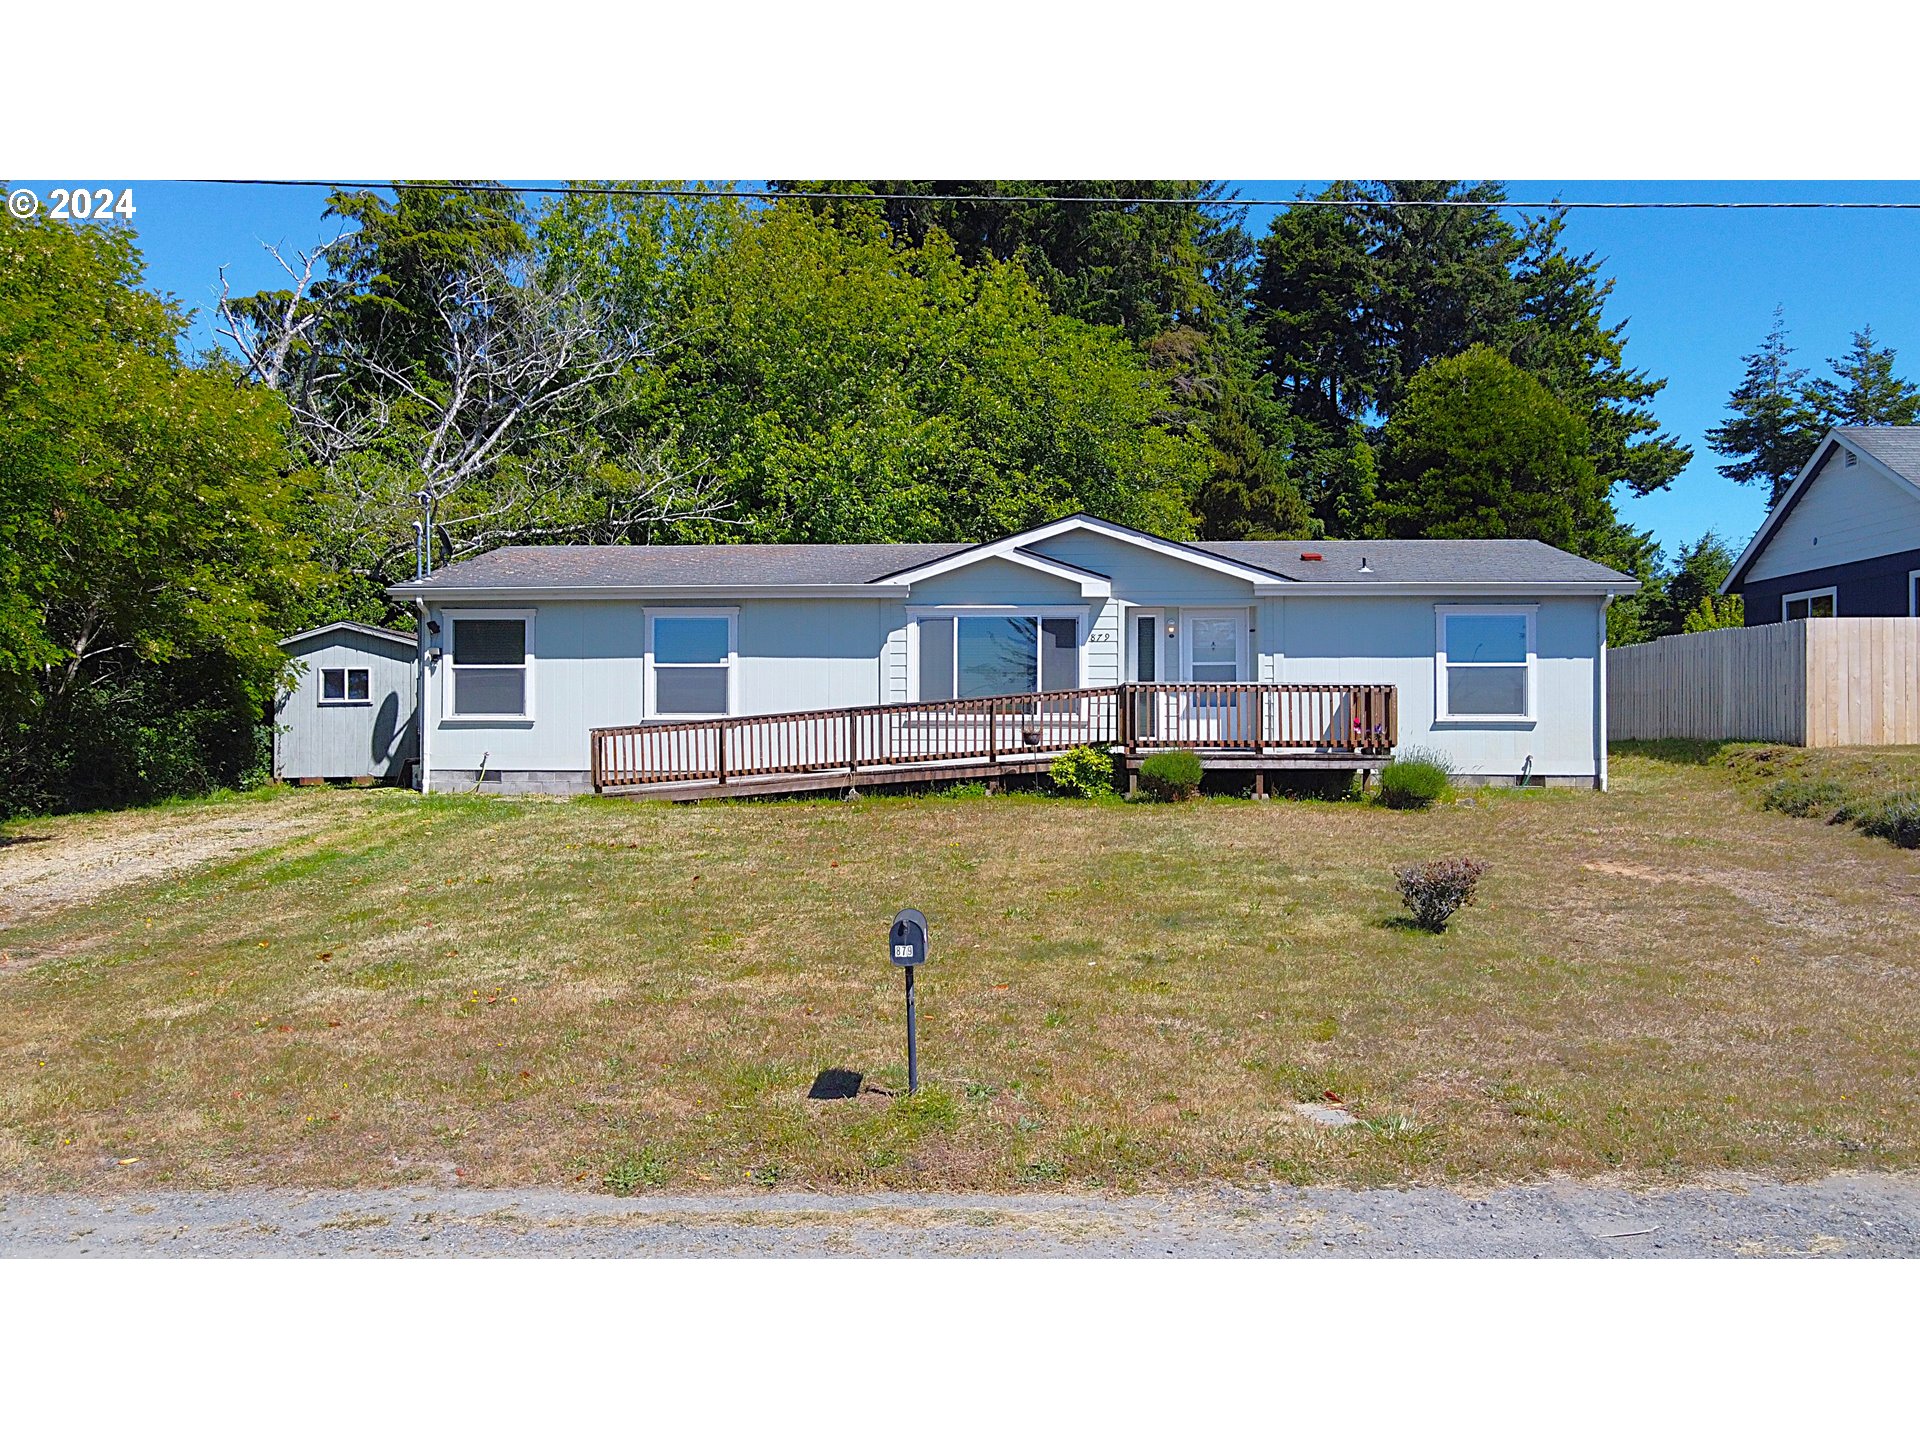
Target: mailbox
908 939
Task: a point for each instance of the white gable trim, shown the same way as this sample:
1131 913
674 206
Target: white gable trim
1013 547
373 632
1821 453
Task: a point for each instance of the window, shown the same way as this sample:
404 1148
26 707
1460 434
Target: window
967 657
489 676
1810 605
1485 662
344 687
690 662
1913 592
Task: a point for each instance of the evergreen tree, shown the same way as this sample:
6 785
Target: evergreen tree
1864 390
1564 341
1773 429
1481 449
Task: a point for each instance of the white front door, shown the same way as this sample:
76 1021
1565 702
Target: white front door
1213 645
1213 652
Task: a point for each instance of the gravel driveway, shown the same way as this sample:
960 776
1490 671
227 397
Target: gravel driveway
1858 1215
47 864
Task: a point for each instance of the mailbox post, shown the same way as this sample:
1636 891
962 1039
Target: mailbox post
907 948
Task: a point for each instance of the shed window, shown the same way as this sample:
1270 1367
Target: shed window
1486 663
489 666
344 687
693 656
1809 605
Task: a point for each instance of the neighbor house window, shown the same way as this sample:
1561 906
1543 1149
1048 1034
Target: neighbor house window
1810 605
489 671
968 657
1913 592
691 655
1486 659
344 687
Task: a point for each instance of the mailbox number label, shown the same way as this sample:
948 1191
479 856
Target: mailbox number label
903 952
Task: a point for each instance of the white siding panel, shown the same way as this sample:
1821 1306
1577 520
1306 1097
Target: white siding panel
1846 513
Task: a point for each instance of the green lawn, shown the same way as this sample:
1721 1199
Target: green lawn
1659 982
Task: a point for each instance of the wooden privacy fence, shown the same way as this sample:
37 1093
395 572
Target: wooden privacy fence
1338 720
1806 682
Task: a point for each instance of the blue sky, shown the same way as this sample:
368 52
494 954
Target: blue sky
1697 288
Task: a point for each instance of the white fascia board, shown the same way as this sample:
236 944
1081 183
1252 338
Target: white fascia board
375 632
1001 549
434 594
1462 587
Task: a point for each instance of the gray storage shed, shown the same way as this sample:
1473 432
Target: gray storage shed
348 714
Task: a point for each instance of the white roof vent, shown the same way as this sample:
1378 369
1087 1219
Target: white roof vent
1851 457
1365 569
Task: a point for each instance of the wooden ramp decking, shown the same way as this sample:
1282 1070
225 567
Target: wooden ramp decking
1232 726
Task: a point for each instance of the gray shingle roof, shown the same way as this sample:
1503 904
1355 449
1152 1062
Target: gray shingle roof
1413 562
1895 446
540 567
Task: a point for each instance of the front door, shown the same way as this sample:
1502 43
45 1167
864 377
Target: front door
1213 656
1147 670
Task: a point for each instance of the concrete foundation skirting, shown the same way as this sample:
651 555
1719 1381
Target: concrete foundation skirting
1557 782
514 782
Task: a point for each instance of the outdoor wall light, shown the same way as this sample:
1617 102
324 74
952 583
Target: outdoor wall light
1171 632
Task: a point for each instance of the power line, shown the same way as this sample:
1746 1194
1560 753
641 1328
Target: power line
1354 203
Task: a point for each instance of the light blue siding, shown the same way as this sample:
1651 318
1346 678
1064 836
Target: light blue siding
589 664
350 741
1390 640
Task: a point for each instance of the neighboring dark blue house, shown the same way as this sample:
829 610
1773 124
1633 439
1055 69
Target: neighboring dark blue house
1845 538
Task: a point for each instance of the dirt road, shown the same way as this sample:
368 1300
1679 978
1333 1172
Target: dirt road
1859 1215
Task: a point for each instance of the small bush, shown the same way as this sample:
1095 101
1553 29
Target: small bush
1434 889
1804 797
1414 779
1085 770
1172 776
1895 818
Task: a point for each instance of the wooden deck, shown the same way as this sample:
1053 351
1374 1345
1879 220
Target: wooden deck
1232 726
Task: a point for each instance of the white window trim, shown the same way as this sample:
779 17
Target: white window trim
346 686
450 618
650 706
1081 614
1832 592
1442 707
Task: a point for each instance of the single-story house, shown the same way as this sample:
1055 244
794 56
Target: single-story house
347 712
1844 540
551 668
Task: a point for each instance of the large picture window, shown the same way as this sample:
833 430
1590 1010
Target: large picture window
691 655
489 675
968 657
1486 659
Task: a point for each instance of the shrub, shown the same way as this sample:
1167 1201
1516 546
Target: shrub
1174 775
1895 818
1434 889
1085 770
1414 779
1804 797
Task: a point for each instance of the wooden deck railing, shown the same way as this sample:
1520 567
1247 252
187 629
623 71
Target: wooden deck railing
1339 720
